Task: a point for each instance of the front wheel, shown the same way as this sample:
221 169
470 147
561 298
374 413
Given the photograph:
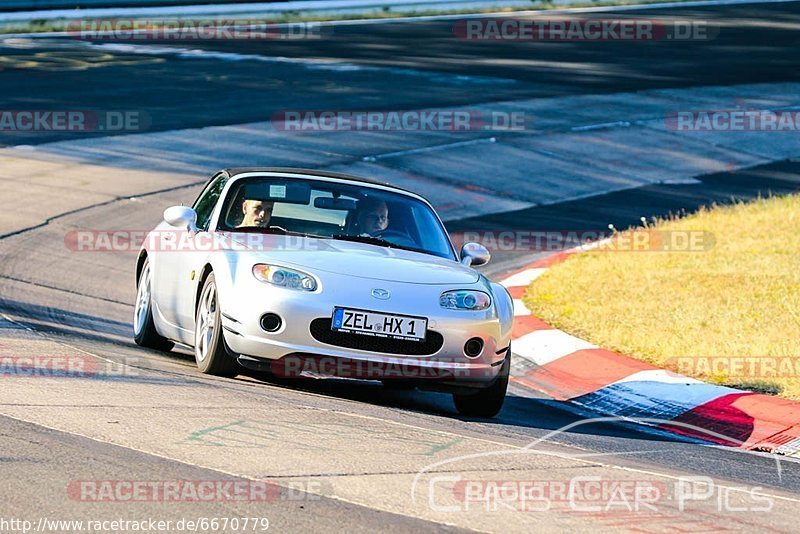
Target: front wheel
209 344
144 329
487 402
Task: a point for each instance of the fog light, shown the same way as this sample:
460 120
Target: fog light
473 347
271 322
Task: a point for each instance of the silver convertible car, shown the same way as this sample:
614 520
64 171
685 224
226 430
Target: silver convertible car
317 274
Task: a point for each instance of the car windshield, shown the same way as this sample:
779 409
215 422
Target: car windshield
334 210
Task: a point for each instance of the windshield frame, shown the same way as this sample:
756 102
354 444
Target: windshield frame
233 180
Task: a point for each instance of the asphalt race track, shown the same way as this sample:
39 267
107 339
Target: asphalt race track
755 44
343 456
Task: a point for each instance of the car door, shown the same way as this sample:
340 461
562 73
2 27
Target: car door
194 259
177 261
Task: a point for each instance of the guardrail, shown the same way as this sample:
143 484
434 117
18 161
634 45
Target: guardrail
234 8
25 5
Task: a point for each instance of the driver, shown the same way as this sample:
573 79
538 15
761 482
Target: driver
372 216
256 213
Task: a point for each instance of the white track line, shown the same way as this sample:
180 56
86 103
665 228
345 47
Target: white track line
519 308
658 375
544 346
523 278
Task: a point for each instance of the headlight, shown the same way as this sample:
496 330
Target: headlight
283 277
465 300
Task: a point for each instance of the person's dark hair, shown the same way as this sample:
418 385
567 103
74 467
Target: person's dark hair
368 203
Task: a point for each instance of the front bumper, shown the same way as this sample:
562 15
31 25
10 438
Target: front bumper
294 348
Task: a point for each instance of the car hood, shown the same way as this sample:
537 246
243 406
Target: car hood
365 261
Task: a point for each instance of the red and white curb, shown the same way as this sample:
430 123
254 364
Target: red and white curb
611 384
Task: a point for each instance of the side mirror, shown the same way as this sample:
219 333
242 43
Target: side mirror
181 217
475 255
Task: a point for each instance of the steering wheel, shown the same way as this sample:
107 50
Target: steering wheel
398 237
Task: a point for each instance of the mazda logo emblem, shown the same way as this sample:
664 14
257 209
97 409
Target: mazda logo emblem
382 294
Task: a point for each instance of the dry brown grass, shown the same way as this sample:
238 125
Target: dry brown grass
702 312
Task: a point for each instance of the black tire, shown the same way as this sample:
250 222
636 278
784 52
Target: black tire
486 402
210 351
144 329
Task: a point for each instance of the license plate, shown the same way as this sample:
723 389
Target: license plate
376 324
